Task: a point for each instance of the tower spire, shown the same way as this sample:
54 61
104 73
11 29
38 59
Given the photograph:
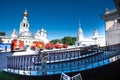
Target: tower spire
24 24
95 32
79 25
80 33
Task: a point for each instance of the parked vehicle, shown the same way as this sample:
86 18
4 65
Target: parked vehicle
41 45
37 44
65 45
5 47
56 46
50 46
17 45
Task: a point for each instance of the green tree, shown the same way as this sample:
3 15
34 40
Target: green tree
2 33
56 41
66 40
69 40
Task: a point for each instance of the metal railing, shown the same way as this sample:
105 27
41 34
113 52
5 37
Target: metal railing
68 60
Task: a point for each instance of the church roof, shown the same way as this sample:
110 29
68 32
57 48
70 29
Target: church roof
110 14
26 34
42 30
14 34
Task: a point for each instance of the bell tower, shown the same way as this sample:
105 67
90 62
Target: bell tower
95 33
24 25
80 33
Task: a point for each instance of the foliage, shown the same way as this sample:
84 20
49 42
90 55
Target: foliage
2 33
56 41
69 40
5 76
66 40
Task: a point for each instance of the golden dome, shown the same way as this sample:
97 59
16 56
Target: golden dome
25 13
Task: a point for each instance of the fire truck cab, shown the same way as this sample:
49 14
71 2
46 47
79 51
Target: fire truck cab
17 45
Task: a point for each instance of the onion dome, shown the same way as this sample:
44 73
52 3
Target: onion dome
14 34
42 30
25 13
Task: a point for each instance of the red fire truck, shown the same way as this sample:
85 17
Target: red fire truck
17 45
50 45
37 44
57 46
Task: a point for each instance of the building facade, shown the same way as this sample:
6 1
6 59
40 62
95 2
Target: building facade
93 40
24 33
112 26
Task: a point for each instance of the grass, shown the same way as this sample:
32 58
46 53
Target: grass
5 76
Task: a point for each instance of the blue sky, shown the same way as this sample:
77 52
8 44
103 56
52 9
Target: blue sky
58 17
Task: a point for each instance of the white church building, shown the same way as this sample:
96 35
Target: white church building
93 40
24 33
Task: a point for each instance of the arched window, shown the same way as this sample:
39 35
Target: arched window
118 20
24 25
